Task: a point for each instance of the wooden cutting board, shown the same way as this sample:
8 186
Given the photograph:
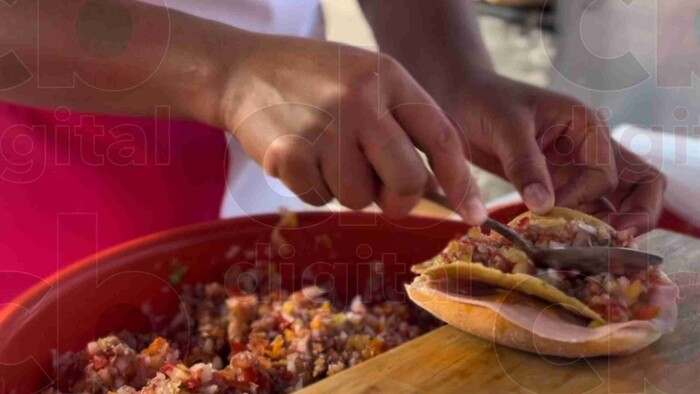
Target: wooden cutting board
447 360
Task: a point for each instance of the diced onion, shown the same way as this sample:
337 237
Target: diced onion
587 228
554 275
556 245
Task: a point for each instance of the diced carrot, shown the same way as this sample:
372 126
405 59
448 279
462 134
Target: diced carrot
315 324
155 347
276 345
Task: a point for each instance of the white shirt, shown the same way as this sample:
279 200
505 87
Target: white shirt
249 191
302 18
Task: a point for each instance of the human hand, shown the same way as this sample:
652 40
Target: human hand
314 115
638 197
534 136
551 147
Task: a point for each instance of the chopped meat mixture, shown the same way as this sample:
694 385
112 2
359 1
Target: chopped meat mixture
245 343
618 298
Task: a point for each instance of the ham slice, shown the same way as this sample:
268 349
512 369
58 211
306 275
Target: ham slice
554 322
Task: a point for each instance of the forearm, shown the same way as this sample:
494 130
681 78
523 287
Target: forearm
437 41
180 66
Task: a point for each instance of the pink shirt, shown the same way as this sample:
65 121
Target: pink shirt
72 184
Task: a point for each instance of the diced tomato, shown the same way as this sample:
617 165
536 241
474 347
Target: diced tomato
99 362
612 312
249 374
646 312
237 346
522 224
192 383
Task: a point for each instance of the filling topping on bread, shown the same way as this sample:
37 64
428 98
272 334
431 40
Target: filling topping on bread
617 298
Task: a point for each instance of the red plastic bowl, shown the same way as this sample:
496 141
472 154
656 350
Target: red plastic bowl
111 290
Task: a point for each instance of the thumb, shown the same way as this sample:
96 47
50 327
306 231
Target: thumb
526 167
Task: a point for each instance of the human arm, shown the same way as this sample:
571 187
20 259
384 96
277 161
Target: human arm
311 113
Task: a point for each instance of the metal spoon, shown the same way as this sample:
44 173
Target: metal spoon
587 260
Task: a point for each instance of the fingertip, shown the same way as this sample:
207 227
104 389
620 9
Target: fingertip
537 198
629 232
395 206
636 221
629 224
473 211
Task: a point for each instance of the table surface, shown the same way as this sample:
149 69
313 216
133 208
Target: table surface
447 360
